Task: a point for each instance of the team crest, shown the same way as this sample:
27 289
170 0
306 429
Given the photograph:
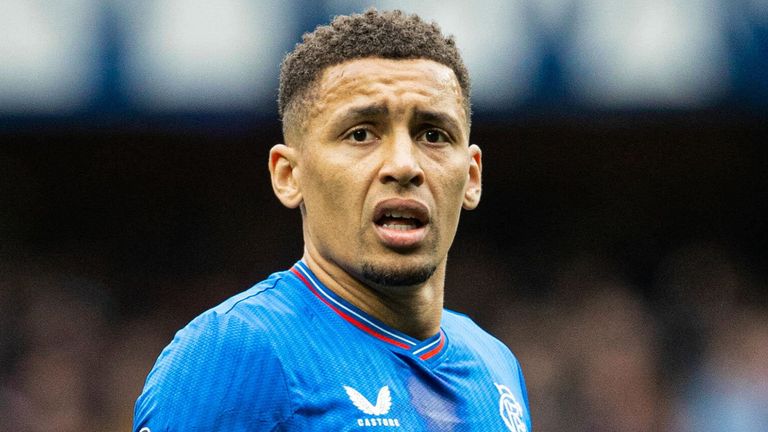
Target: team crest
510 410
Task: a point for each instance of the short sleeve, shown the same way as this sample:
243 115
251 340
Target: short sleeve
218 374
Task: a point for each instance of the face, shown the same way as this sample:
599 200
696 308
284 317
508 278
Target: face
383 168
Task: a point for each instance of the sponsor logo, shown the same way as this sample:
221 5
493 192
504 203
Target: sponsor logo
510 410
382 407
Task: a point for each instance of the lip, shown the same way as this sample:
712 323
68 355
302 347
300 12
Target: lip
399 238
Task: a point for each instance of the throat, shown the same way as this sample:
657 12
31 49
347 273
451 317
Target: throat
415 312
411 303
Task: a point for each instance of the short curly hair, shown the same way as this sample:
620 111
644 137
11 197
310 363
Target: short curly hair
385 34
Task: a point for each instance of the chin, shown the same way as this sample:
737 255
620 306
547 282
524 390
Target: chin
398 274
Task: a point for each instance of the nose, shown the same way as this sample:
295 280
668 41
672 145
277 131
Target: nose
401 163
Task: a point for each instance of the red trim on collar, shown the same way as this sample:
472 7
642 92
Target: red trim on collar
431 353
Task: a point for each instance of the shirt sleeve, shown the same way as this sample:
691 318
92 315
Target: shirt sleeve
524 391
218 374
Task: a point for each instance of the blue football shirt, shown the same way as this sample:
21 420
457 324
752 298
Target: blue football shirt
291 355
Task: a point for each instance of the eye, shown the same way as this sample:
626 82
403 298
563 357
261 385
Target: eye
434 136
360 135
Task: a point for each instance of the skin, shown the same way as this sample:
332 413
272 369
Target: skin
381 134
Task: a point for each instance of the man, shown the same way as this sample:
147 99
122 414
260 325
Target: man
375 111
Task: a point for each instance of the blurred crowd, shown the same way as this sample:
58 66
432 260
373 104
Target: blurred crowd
686 354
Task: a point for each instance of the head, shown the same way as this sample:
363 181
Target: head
376 117
390 35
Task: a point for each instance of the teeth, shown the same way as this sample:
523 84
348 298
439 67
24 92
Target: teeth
398 227
396 214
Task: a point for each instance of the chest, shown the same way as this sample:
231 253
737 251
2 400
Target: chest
384 390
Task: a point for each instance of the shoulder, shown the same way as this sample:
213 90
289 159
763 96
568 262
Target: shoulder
465 328
467 334
270 296
223 368
477 343
244 322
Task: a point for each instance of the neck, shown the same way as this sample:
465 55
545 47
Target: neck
413 310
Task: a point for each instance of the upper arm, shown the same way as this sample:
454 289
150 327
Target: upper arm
219 373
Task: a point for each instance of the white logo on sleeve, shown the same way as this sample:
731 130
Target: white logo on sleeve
382 407
510 410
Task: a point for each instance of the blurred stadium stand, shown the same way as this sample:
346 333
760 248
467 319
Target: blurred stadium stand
620 248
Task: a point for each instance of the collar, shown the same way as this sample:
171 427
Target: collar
425 350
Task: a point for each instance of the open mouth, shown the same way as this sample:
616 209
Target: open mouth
401 223
399 220
401 215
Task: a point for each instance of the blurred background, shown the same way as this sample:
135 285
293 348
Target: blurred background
620 248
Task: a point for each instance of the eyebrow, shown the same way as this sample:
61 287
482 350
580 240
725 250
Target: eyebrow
437 118
367 111
420 116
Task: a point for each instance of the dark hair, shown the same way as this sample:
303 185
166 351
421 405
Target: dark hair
386 34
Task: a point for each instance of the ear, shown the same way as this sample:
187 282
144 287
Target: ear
284 174
474 186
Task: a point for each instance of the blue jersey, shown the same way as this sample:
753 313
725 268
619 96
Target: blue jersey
291 355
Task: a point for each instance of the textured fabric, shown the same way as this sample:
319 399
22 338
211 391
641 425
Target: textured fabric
290 355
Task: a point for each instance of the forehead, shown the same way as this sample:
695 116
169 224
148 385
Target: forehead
397 83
